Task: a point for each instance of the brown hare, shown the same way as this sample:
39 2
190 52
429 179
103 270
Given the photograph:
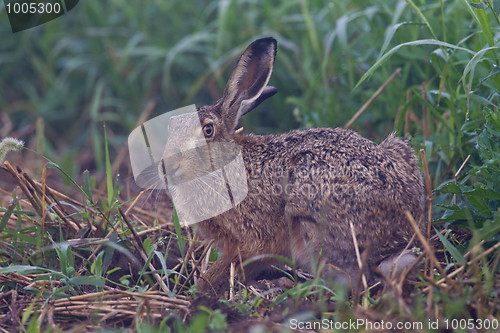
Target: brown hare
305 187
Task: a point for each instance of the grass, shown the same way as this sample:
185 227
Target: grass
93 253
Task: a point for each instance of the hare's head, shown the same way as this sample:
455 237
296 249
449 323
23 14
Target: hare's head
245 90
192 136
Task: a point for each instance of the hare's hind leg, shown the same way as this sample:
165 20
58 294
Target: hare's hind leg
319 215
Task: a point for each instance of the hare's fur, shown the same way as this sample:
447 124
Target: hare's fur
306 188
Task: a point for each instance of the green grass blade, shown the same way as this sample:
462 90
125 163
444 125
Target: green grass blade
389 34
165 270
109 176
311 30
484 22
471 65
94 132
95 281
26 269
422 17
386 56
181 241
87 185
6 215
457 256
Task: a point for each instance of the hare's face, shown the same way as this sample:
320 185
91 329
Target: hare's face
197 143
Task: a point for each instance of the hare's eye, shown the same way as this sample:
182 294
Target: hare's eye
208 130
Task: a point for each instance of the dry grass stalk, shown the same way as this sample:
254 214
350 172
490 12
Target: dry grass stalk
153 216
372 98
407 116
455 176
360 265
428 185
134 203
16 175
56 206
44 181
231 280
112 304
204 257
40 195
186 258
429 266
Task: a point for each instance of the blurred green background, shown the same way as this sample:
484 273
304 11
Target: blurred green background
118 61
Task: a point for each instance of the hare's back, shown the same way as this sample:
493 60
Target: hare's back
342 158
346 150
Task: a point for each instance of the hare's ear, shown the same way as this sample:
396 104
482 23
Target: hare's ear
267 92
246 87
